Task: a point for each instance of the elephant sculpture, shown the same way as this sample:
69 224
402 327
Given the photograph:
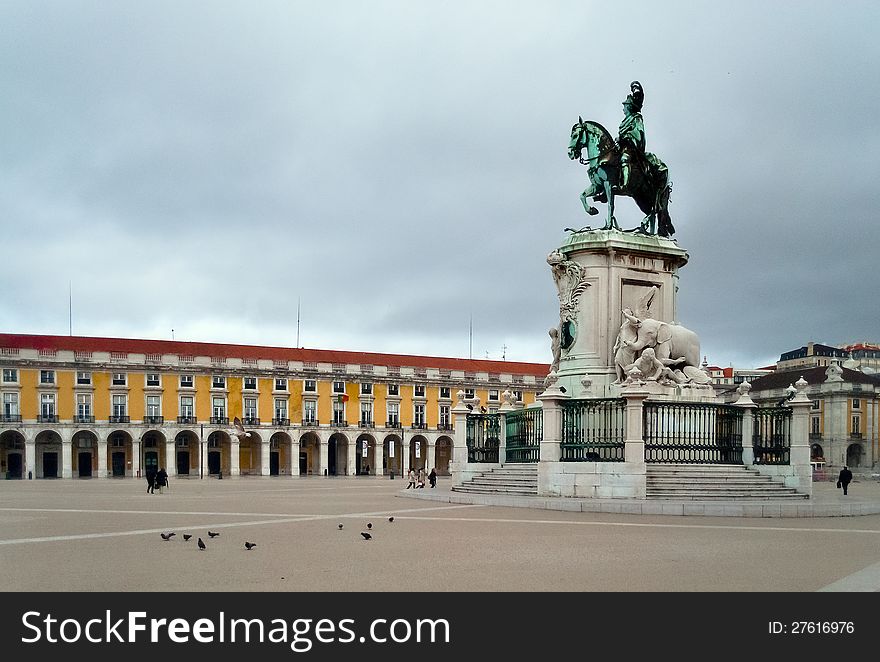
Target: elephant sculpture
671 343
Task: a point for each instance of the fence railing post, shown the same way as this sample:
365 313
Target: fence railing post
634 450
748 423
799 457
459 463
502 433
551 442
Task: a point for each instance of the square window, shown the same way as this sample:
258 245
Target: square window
310 386
10 375
445 392
393 389
419 390
84 378
280 383
469 393
493 395
339 387
186 381
857 404
47 376
518 395
250 383
218 381
119 379
366 388
153 379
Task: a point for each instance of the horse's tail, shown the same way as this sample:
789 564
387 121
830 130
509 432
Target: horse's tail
664 221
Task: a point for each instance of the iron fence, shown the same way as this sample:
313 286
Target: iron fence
483 437
524 431
692 433
593 430
771 435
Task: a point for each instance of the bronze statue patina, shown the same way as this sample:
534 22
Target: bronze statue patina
623 167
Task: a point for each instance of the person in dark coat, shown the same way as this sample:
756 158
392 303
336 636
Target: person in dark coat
432 477
844 479
162 480
151 480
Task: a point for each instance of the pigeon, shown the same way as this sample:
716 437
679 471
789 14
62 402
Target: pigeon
249 545
340 525
369 525
212 534
166 536
201 544
239 429
187 536
391 519
366 535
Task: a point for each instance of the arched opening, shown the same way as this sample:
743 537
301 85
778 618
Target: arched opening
153 450
47 446
279 454
218 453
443 455
418 452
309 454
816 453
250 455
12 457
85 454
393 447
854 456
365 456
119 453
337 455
186 452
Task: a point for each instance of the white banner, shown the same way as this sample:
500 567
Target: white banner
418 448
390 449
364 451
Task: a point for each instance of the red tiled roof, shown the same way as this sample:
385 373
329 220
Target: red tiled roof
178 347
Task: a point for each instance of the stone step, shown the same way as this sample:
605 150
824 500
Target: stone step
474 489
738 496
726 480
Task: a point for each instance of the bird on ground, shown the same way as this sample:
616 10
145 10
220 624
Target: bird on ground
187 536
239 431
166 536
366 535
369 525
391 519
249 545
212 534
201 544
340 525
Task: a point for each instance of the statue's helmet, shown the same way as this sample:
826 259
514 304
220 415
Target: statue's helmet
637 96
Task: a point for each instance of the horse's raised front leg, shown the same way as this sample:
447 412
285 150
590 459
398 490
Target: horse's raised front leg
588 193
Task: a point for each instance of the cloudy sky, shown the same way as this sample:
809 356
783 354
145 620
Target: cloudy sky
400 168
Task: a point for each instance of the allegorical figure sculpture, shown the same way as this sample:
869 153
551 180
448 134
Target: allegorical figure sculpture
556 348
623 167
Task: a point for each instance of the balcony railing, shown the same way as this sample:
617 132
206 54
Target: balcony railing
366 424
340 424
855 436
10 418
419 426
444 427
392 424
154 420
815 436
281 421
119 419
219 420
310 424
47 418
83 419
251 420
186 420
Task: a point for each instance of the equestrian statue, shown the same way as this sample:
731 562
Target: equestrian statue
623 167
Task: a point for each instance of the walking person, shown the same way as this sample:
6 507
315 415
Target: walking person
421 478
844 479
151 480
412 479
432 477
162 480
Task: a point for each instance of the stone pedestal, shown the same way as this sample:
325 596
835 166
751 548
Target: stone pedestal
598 274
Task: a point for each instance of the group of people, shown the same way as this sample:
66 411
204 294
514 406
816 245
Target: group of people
156 479
417 480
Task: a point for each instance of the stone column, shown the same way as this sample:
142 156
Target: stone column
458 464
352 458
404 451
102 458
378 458
635 443
431 457
748 423
234 457
799 455
66 457
171 457
550 466
294 457
30 458
136 458
323 452
264 457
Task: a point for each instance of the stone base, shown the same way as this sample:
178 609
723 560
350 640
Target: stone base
593 480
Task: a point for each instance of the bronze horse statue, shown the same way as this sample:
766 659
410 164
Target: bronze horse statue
648 185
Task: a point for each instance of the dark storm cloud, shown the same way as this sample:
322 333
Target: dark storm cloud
400 168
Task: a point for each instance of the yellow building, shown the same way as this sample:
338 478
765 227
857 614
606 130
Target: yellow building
102 407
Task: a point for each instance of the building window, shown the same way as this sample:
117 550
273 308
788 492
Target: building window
117 441
310 411
280 383
393 389
366 412
857 404
310 386
250 383
814 425
366 388
419 391
338 413
856 424
119 379
186 406
119 405
153 379
280 408
218 381
47 376
339 387
493 395
10 404
815 405
419 415
10 375
47 404
469 393
250 408
445 417
445 392
518 395
218 406
83 405
394 413
186 381
84 378
154 405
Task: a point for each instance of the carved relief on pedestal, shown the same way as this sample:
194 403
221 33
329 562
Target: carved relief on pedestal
571 282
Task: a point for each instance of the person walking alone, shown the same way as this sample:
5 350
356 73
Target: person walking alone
432 477
844 479
412 480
